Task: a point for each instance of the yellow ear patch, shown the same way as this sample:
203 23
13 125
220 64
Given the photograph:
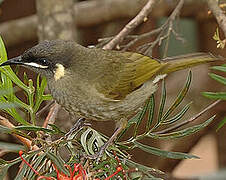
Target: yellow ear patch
59 73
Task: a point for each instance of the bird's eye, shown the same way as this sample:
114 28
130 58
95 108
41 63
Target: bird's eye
44 62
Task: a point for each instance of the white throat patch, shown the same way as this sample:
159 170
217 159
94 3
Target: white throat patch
59 73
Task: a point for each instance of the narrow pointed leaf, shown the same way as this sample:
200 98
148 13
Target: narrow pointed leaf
183 132
56 160
56 129
24 170
90 143
140 118
219 68
3 54
215 95
179 98
34 128
178 116
162 153
221 124
132 121
17 116
163 101
218 78
151 108
84 140
3 162
38 160
145 169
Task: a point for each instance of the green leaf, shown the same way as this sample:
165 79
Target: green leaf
58 162
3 162
215 95
163 101
40 97
142 167
37 164
34 128
140 117
11 146
216 35
16 116
162 153
219 68
56 129
47 97
3 53
12 76
24 170
84 140
179 98
88 138
221 124
183 132
131 121
178 116
218 78
151 109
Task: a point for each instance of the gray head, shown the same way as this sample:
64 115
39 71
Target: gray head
47 57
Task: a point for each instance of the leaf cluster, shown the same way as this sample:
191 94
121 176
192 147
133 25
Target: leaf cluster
218 95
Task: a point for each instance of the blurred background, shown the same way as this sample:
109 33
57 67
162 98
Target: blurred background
22 23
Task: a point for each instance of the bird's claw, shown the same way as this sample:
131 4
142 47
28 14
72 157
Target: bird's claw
98 154
77 126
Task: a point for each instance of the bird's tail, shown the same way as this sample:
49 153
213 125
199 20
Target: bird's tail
189 60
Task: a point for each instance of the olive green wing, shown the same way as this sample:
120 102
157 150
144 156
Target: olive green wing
127 72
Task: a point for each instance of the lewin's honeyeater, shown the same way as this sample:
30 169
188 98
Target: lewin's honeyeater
101 84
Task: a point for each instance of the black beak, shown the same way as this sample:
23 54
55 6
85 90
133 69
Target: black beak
15 60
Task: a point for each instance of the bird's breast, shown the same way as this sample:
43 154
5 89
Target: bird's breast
82 98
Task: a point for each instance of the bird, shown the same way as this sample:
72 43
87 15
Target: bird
99 84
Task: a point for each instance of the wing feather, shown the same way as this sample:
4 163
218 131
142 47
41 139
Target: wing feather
135 69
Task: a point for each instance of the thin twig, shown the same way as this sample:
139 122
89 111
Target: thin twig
218 13
189 120
45 108
142 36
141 17
50 119
168 24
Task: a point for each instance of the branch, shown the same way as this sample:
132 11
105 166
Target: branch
218 13
189 120
13 32
5 122
50 119
147 48
141 17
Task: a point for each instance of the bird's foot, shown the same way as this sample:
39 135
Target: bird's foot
98 154
77 126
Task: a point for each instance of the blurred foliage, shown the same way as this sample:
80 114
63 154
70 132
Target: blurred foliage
218 95
220 43
79 144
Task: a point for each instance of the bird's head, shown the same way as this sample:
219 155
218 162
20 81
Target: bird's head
49 58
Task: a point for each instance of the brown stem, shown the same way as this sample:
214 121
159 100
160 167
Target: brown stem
50 119
5 122
218 13
141 17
